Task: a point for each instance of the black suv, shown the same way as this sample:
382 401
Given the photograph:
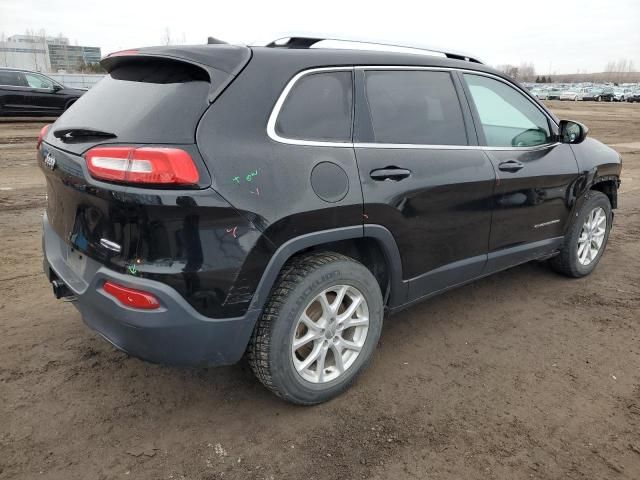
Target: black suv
210 201
26 93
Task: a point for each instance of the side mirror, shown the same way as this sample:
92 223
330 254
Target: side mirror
572 132
56 87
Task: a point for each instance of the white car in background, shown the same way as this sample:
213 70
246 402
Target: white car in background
621 94
540 94
574 94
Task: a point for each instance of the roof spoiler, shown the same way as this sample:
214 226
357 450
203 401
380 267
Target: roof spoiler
303 42
220 61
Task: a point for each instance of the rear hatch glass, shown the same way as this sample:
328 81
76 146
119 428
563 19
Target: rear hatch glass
151 101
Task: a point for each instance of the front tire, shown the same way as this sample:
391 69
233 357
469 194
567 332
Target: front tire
586 238
319 328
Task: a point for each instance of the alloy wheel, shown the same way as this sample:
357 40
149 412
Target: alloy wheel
592 236
330 334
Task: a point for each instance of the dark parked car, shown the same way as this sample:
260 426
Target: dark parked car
208 202
634 96
25 93
600 94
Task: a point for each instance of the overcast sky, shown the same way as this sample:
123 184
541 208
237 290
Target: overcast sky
557 36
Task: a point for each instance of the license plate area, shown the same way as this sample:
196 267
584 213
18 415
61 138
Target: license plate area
76 261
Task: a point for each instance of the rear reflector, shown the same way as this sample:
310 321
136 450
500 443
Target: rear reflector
154 165
131 297
41 135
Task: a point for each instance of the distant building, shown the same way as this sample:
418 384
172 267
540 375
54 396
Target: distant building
46 54
72 57
23 51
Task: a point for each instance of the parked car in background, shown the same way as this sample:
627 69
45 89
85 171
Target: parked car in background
539 93
554 94
26 93
634 96
574 95
621 94
599 94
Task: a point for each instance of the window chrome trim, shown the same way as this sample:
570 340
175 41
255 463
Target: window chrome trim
273 135
271 124
418 146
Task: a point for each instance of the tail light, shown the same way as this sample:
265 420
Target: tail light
131 297
41 135
153 165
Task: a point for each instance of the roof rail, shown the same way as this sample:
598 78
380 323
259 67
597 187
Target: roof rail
294 42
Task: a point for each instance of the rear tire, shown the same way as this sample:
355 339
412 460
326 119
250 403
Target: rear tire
310 305
590 229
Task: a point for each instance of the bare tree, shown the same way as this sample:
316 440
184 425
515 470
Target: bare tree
527 72
166 37
42 43
619 70
62 43
33 47
3 51
510 70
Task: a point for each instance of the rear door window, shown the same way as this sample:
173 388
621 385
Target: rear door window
319 107
414 107
12 79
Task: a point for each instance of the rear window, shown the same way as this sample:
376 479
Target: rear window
144 102
318 108
414 107
12 79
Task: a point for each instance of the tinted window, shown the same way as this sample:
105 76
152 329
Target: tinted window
417 107
319 107
38 81
13 79
508 118
154 101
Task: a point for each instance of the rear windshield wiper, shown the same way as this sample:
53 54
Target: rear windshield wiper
76 133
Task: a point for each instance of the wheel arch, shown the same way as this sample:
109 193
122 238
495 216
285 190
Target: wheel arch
375 243
609 186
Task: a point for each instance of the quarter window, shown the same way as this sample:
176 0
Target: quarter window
507 117
414 107
318 108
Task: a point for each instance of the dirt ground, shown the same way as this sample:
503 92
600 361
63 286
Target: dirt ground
523 375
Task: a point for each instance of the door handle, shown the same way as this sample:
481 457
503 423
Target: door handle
510 166
391 173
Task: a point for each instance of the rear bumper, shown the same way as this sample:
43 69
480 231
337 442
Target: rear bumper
174 334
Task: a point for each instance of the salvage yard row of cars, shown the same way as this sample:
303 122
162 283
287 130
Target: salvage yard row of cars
580 92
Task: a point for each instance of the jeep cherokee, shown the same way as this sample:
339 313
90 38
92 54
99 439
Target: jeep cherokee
210 201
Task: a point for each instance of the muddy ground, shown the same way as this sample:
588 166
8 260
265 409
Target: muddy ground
523 375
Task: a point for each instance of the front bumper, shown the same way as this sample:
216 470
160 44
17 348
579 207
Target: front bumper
174 334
